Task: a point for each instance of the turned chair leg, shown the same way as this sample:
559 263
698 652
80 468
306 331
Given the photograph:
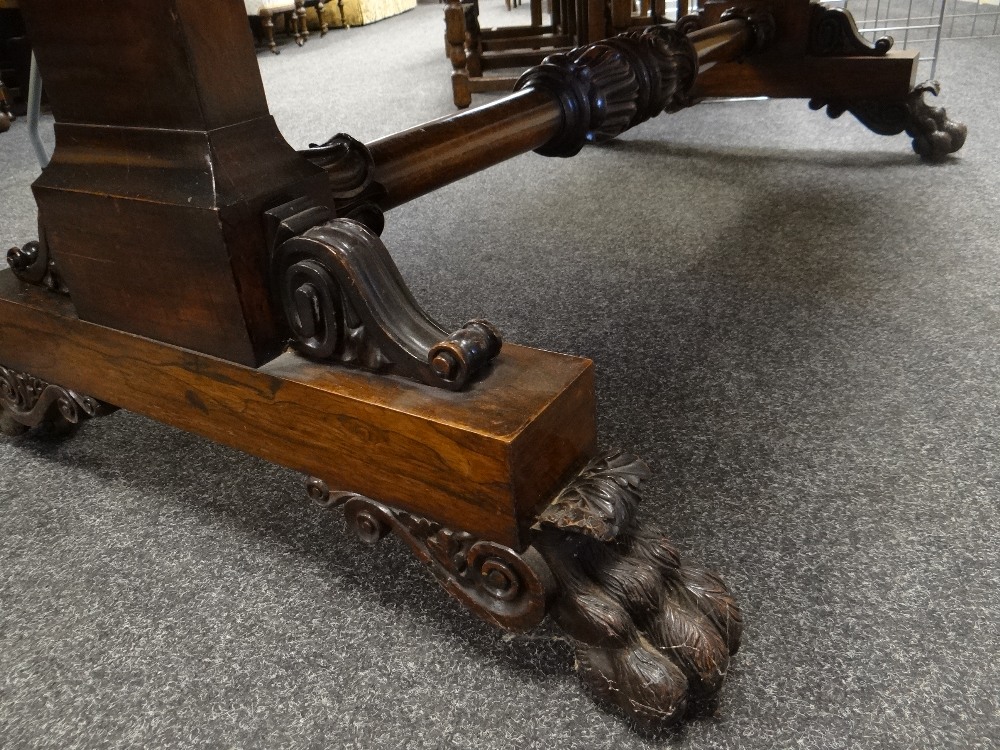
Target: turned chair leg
343 18
323 25
455 33
301 27
267 23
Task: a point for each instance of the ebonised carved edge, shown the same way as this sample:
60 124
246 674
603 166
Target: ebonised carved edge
653 636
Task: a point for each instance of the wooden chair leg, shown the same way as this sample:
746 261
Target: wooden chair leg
454 34
323 25
267 23
301 27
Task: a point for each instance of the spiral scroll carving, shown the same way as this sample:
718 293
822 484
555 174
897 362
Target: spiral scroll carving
32 263
499 585
27 401
351 170
652 634
345 302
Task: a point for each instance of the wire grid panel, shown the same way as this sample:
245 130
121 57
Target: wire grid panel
922 24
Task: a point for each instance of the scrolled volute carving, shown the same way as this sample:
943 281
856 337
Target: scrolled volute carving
690 22
934 136
345 302
346 160
499 585
350 169
32 264
834 33
27 401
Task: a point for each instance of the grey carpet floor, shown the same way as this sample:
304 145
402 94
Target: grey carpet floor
793 320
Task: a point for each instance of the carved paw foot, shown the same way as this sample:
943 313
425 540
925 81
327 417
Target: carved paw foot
652 635
934 135
27 402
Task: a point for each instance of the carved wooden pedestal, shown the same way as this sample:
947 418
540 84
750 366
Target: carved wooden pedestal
491 487
196 245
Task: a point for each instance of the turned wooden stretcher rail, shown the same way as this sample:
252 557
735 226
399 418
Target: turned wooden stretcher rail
422 159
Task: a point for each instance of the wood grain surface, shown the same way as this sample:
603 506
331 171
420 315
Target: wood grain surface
483 460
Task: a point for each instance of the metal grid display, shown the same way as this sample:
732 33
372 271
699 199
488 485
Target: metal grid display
922 24
913 24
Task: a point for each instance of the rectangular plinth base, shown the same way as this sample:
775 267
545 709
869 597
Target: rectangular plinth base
484 460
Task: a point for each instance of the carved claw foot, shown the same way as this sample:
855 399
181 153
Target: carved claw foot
934 135
28 402
652 634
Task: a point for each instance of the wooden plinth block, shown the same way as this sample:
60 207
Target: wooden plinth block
166 156
484 460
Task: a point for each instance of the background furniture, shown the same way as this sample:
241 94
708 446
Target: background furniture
347 13
290 12
15 58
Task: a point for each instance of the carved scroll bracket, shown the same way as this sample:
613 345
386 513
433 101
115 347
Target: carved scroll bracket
344 301
834 33
27 402
505 588
652 634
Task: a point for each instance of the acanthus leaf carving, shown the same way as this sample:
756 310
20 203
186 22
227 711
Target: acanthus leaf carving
601 500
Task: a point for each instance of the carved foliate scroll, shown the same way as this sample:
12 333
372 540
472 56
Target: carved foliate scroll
31 263
505 588
833 33
651 633
351 170
27 401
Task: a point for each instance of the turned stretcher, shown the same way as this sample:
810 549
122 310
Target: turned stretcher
192 267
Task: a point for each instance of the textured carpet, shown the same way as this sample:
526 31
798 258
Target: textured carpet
793 320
